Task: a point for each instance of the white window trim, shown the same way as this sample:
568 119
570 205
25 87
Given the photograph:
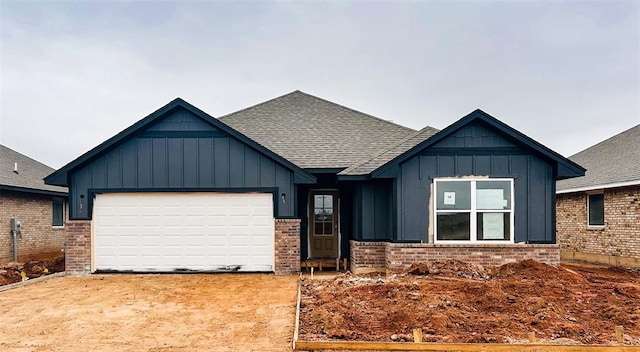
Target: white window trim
589 226
473 221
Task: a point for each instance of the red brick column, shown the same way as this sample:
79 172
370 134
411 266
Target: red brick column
287 243
77 238
367 256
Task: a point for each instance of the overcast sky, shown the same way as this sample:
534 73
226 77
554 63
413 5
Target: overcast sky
73 74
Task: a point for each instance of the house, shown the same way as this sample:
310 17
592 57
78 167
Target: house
299 177
599 214
39 209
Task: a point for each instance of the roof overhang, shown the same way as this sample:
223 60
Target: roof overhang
33 191
565 167
61 176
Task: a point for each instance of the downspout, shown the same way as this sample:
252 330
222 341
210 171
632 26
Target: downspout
14 235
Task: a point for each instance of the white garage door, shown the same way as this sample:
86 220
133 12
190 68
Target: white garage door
183 231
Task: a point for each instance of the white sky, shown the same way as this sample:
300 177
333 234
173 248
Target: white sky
73 74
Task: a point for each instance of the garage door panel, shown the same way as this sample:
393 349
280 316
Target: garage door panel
183 231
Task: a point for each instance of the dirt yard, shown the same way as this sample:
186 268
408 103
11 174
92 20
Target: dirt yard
454 302
198 312
12 272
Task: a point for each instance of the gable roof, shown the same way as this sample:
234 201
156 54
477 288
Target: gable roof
29 177
315 133
613 162
367 166
566 168
60 177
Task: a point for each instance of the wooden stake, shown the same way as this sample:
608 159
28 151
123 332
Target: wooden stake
344 264
311 273
417 335
337 264
532 337
619 334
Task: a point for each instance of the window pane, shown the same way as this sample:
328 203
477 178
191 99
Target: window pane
596 209
494 226
328 228
493 195
328 201
319 228
453 195
453 226
317 201
58 212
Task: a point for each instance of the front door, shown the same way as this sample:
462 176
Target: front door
323 224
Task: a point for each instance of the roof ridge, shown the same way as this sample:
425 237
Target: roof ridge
356 111
297 91
258 104
25 156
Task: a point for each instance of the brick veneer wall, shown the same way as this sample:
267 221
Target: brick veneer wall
40 239
617 243
366 256
398 256
77 236
287 246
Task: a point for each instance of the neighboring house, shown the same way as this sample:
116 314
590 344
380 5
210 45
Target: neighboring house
599 214
38 207
299 177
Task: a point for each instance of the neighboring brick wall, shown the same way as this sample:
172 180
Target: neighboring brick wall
401 255
388 256
40 239
617 243
367 256
287 246
77 247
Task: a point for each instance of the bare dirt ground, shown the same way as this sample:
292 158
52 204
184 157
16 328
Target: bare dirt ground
191 312
12 272
454 302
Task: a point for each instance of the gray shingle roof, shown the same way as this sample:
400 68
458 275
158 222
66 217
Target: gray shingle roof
30 172
615 160
370 164
315 133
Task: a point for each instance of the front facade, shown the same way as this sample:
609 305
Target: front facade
39 210
299 178
599 214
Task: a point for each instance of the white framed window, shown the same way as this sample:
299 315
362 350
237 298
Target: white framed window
468 210
595 209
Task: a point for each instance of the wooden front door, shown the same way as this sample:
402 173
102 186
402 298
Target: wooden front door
323 224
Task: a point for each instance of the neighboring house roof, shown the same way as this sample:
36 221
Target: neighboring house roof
314 133
29 176
60 177
565 167
613 162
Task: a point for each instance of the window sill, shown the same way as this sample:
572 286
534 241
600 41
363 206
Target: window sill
58 227
595 228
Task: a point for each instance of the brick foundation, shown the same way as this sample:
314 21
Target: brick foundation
616 243
40 239
77 237
365 256
287 246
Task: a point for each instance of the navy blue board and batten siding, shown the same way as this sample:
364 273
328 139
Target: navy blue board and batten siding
476 150
181 152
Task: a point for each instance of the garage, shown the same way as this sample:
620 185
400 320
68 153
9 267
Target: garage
183 231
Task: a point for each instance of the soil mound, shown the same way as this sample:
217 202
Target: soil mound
12 272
